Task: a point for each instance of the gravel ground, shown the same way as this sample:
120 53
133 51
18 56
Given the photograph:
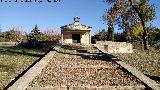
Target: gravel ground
71 68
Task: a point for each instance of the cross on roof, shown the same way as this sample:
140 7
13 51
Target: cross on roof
76 19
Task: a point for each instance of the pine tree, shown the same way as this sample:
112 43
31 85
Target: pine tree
35 34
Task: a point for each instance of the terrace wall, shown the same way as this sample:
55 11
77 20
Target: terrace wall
116 47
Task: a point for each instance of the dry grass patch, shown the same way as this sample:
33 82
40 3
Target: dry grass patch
13 60
149 64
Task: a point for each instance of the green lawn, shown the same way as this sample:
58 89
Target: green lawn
13 60
149 64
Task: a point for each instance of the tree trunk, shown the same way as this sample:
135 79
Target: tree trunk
128 37
110 34
144 36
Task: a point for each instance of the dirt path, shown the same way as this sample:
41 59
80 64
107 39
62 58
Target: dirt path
83 68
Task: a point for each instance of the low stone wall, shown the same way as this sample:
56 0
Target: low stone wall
116 47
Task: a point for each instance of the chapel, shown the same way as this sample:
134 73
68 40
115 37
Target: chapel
76 33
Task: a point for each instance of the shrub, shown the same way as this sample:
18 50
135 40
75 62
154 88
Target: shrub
10 36
157 45
101 35
41 40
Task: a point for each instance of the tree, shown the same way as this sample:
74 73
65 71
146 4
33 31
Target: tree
12 35
153 35
126 21
145 13
141 12
137 31
51 35
120 37
111 17
157 34
35 34
101 35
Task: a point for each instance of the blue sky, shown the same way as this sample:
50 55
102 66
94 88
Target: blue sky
53 15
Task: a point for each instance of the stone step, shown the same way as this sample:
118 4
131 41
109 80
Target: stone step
84 72
56 76
138 87
79 61
93 51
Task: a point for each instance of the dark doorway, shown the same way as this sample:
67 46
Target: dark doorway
76 38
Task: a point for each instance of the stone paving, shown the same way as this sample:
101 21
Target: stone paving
83 68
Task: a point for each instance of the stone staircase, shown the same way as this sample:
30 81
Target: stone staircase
68 71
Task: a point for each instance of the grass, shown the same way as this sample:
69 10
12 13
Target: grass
13 60
149 64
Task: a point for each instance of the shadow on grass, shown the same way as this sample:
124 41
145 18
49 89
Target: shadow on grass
21 74
156 78
11 51
35 49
